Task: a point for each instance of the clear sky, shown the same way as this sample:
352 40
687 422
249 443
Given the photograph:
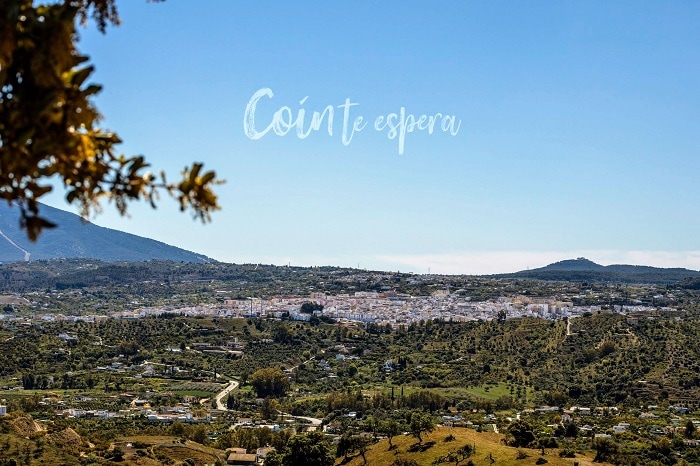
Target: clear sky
577 129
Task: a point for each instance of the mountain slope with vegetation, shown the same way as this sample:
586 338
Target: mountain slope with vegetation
76 238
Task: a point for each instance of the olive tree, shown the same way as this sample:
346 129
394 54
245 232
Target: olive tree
49 125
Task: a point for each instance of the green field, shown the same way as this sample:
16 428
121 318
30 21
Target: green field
490 391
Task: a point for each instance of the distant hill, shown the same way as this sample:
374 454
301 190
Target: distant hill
571 265
76 238
582 269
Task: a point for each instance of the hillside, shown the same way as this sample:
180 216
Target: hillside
585 270
599 360
76 238
489 450
26 441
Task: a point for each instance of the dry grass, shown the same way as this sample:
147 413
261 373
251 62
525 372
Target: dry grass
5 299
66 438
24 449
25 426
488 446
166 447
179 453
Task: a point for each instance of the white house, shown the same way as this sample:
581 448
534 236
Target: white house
621 427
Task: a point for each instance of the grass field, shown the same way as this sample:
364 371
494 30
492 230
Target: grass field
490 392
199 387
195 393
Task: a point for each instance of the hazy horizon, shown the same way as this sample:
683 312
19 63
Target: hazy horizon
560 129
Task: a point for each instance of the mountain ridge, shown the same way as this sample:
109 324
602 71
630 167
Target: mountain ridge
75 237
582 269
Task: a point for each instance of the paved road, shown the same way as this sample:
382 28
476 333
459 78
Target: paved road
223 393
314 421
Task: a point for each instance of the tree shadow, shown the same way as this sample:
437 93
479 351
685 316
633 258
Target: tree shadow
420 447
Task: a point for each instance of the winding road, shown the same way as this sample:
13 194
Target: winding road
221 404
232 385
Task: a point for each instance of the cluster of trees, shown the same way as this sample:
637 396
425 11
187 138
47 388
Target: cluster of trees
252 439
196 433
519 352
458 455
269 382
355 401
310 449
420 424
30 382
520 434
310 307
426 400
350 444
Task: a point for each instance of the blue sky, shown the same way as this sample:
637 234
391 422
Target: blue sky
579 129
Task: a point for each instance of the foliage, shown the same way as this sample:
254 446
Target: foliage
309 308
459 455
421 423
311 449
252 439
349 444
274 458
520 434
690 429
391 429
404 462
269 409
605 449
269 382
282 334
49 124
